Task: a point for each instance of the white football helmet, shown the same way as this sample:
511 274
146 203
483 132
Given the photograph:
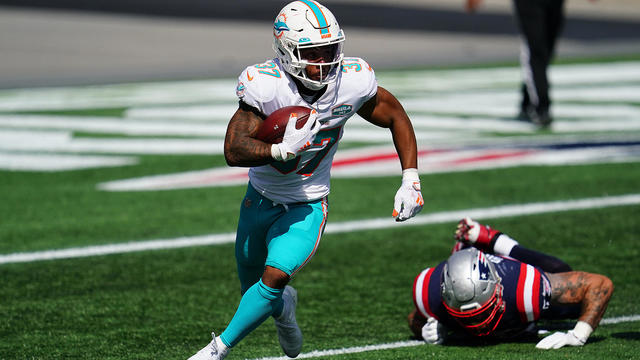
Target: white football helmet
306 24
471 291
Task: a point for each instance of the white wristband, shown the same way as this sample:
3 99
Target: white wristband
504 244
410 175
582 330
275 152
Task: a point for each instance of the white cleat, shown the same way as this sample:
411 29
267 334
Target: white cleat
289 333
215 350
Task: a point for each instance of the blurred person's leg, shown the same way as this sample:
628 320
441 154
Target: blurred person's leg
539 32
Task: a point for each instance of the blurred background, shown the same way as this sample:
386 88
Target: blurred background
77 42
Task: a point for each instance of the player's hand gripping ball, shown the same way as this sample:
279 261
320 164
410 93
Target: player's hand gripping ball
273 127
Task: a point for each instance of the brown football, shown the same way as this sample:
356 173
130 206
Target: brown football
272 129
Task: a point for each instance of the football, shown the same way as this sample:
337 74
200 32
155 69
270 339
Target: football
272 129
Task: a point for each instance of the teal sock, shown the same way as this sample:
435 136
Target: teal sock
257 304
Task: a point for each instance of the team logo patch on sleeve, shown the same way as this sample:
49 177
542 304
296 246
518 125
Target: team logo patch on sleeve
240 90
341 110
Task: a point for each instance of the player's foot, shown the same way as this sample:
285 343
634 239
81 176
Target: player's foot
475 234
215 350
542 118
523 115
289 333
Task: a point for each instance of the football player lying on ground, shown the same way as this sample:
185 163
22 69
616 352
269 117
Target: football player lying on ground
494 288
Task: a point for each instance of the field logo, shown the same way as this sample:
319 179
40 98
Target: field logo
341 110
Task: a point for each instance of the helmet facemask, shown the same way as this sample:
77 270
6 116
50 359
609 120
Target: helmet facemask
471 291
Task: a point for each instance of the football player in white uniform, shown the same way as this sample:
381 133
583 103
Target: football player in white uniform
284 212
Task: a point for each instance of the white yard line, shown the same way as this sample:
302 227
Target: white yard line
114 125
403 344
60 162
191 92
332 228
351 350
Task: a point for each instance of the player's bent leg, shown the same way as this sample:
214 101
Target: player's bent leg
257 304
257 213
294 240
289 333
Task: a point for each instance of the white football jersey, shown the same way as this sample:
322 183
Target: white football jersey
268 87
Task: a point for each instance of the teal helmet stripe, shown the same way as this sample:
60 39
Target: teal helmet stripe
322 21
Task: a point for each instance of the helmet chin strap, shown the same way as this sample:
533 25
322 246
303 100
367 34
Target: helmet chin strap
307 83
311 85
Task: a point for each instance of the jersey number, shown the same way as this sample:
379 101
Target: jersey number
327 137
269 68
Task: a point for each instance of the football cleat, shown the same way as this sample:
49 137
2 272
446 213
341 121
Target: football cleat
289 333
543 119
473 233
215 350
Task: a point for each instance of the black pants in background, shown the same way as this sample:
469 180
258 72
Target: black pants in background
540 23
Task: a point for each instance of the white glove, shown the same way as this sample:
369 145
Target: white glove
295 140
433 332
560 339
408 201
576 337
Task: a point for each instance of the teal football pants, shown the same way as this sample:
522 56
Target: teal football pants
284 237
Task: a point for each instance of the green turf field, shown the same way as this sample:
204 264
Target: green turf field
356 292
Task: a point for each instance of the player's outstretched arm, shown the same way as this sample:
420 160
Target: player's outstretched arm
591 291
385 110
240 146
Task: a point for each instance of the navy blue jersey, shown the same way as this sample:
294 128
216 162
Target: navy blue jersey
526 295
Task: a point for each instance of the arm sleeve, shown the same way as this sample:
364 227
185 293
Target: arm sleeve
547 263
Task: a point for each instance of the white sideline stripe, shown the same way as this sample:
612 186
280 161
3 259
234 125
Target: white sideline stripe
347 226
620 319
108 249
489 213
402 344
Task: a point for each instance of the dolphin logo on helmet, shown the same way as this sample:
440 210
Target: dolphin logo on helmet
305 24
279 27
471 291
